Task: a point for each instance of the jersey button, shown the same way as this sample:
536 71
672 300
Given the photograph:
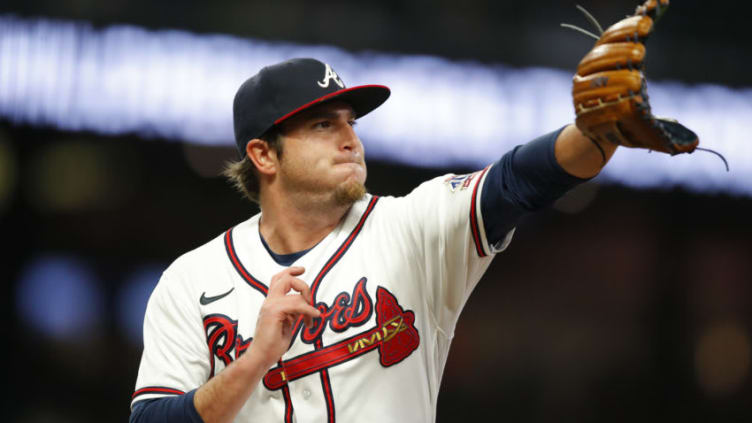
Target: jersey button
306 393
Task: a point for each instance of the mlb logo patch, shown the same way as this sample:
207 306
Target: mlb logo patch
460 182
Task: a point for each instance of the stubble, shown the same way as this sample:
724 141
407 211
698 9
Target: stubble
348 193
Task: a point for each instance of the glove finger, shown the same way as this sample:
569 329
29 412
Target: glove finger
637 129
652 8
633 28
668 136
683 139
612 56
595 89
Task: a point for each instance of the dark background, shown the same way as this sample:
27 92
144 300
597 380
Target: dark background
615 305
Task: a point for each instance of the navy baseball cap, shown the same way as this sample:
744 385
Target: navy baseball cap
281 91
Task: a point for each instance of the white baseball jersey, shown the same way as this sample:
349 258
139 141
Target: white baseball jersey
390 282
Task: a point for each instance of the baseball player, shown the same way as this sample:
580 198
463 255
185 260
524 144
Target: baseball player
333 304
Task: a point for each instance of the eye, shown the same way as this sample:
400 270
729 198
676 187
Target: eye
322 124
352 122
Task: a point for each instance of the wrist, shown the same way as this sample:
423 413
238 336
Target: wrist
256 358
579 155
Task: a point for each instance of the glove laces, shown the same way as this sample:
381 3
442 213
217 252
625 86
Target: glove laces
591 19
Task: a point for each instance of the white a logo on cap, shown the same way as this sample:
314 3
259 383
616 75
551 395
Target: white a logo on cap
330 74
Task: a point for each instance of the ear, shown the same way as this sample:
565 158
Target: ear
263 157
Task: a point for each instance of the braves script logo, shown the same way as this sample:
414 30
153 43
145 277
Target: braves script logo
345 312
394 335
330 74
222 338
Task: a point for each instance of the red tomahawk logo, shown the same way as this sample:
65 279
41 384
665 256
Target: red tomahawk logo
394 336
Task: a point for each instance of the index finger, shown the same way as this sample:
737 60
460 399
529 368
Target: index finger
283 281
302 287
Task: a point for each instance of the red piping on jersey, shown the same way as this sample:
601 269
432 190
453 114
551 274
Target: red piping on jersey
342 249
264 290
474 218
325 383
288 404
230 247
157 390
335 258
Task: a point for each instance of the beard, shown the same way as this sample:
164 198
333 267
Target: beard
317 195
348 193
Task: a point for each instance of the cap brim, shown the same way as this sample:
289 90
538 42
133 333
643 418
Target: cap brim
363 99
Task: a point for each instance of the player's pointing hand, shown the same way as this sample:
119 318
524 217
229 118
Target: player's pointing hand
288 299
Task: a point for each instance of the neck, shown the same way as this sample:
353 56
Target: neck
289 226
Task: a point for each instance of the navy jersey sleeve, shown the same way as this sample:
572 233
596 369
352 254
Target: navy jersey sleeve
523 180
174 409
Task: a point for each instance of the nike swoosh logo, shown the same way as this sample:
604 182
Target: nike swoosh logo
204 300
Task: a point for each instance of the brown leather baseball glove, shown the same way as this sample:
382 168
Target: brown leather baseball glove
610 91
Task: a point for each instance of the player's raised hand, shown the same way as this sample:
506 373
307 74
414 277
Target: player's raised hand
610 90
288 299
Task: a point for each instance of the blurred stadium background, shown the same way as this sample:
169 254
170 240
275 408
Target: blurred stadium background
627 301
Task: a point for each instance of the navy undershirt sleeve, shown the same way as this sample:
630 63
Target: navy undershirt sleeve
525 179
177 409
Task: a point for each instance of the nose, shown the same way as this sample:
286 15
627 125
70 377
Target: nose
350 140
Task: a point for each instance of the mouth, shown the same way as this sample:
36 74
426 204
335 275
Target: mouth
351 158
351 168
349 162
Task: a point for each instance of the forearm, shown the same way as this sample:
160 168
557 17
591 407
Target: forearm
527 178
579 156
220 399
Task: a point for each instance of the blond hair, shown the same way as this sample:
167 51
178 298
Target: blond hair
242 174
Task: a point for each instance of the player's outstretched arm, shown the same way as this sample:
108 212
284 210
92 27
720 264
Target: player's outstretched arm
220 399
